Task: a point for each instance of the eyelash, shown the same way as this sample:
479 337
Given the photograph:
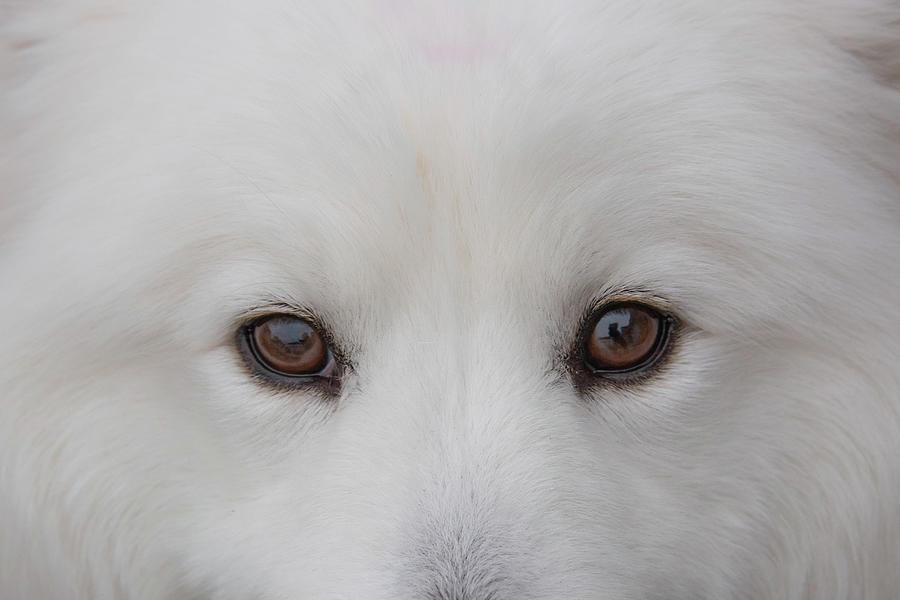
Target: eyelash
278 307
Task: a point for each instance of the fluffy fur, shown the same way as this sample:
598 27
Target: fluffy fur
449 185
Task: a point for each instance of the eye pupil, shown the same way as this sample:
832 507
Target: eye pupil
624 337
288 345
615 334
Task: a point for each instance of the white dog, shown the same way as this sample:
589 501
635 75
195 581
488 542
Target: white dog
450 300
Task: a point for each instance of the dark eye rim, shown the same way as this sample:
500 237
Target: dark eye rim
586 375
326 380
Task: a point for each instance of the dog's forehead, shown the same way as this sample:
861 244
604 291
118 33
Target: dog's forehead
417 154
430 147
446 114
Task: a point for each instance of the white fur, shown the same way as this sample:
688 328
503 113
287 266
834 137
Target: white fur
450 185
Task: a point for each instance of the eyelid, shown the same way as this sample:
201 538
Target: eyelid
282 307
653 301
278 307
658 303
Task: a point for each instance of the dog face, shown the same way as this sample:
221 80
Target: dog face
444 204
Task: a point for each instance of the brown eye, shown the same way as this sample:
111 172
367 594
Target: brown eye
289 346
624 338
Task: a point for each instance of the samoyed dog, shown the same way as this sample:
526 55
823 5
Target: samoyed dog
450 300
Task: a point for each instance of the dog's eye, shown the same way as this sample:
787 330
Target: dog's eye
625 337
288 346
